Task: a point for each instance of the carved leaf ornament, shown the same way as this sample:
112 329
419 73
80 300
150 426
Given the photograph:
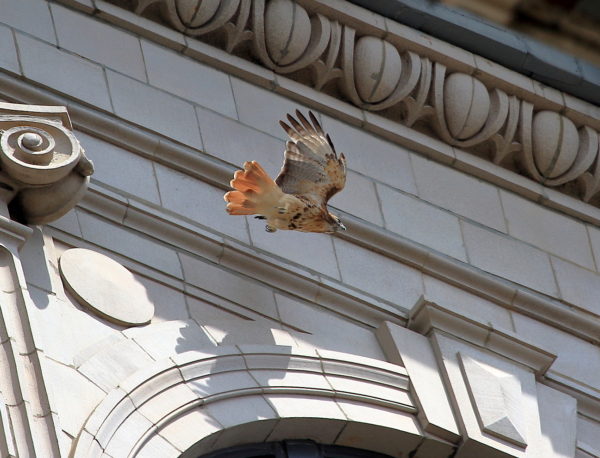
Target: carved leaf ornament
379 76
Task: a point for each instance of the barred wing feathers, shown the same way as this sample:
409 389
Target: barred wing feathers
311 168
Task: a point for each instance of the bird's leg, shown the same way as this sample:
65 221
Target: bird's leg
269 228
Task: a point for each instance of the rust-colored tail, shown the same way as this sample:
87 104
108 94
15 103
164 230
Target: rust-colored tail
253 190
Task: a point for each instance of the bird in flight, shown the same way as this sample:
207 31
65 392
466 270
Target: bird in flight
297 199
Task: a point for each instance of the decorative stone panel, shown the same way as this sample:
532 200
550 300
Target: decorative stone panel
496 398
390 74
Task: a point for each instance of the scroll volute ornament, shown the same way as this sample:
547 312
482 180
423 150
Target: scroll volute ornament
44 171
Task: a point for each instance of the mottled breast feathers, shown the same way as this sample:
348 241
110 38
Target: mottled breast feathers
311 167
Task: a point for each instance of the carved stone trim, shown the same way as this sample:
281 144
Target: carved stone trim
43 169
426 316
414 80
133 413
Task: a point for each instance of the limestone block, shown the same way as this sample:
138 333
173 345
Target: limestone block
261 109
154 109
189 79
62 329
66 384
283 378
547 229
166 402
379 429
38 259
458 192
255 432
321 430
181 193
68 223
163 340
290 406
30 16
113 363
378 275
594 234
247 409
359 199
196 365
158 446
79 78
588 435
122 442
576 358
134 175
467 304
129 244
314 251
105 287
377 68
326 330
509 258
242 143
220 383
227 328
578 286
558 417
294 411
229 285
99 42
366 152
169 302
422 222
8 52
177 432
414 352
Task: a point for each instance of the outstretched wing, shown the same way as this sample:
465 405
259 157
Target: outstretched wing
311 167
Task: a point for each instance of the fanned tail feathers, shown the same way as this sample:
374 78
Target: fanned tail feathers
254 191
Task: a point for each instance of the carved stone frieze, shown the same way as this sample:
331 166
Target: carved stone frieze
359 65
43 168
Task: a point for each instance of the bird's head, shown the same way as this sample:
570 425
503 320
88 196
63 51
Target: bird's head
335 224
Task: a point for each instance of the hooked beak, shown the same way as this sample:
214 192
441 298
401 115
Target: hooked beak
342 227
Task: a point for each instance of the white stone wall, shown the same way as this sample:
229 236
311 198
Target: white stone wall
219 280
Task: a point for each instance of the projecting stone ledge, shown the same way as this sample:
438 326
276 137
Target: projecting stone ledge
43 169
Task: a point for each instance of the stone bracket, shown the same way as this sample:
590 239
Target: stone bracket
43 169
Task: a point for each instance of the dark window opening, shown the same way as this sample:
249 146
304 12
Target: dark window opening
293 449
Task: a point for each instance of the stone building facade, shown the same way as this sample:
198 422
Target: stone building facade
459 314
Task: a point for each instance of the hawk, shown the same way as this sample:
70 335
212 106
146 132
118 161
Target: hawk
311 174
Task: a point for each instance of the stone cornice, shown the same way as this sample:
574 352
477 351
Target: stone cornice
475 107
427 316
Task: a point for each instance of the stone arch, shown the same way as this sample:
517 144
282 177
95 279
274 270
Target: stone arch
195 403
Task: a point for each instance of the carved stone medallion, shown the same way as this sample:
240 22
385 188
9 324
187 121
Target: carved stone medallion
105 287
